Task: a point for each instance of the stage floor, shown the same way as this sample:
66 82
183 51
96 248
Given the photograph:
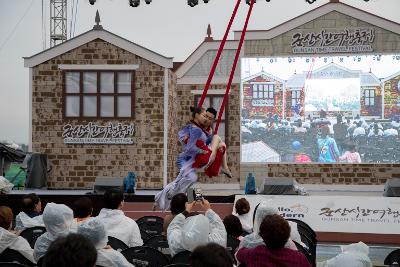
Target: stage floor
312 189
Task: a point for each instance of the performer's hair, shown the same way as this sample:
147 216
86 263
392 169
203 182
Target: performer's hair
196 110
212 111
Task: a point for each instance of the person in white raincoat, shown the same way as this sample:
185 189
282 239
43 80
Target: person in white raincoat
116 223
57 219
11 240
188 233
254 239
353 255
30 215
93 229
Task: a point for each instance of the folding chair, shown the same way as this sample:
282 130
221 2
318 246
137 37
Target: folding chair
181 257
32 234
160 243
145 256
116 244
393 257
152 225
13 256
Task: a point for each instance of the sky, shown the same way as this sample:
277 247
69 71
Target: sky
169 27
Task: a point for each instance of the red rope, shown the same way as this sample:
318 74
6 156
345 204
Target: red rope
221 47
228 87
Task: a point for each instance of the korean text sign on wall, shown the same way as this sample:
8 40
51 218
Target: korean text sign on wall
347 214
96 134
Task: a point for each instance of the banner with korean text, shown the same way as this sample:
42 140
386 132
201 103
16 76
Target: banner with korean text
346 214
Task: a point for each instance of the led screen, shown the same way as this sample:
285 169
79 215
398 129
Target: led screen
320 109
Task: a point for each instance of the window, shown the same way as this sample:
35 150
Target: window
369 97
296 96
263 91
98 94
215 101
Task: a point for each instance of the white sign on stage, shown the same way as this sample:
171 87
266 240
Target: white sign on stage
346 214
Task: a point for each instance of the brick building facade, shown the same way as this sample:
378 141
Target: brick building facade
160 99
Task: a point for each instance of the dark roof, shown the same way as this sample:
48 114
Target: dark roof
176 65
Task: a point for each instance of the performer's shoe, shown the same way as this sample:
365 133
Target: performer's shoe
227 173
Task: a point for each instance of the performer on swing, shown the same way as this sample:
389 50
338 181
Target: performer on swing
212 161
187 175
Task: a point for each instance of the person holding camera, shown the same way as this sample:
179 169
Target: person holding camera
189 230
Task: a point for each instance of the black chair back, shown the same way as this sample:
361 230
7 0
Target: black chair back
160 243
305 251
32 234
181 257
178 265
152 225
10 255
145 256
117 244
232 244
12 264
145 236
393 257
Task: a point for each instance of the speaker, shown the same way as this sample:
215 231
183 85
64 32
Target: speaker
102 184
392 188
278 186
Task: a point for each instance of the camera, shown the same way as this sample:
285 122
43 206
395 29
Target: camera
194 194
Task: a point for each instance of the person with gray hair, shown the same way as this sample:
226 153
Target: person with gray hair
94 230
254 239
57 219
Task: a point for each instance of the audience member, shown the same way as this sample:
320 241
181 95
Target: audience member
353 255
210 255
83 208
93 229
328 150
177 206
116 223
359 130
375 131
233 226
242 208
11 240
71 250
262 210
390 132
30 216
351 156
188 233
275 232
57 219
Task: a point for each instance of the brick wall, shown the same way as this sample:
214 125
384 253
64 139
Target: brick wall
186 100
76 166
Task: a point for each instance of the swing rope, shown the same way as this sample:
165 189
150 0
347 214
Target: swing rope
228 87
220 49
